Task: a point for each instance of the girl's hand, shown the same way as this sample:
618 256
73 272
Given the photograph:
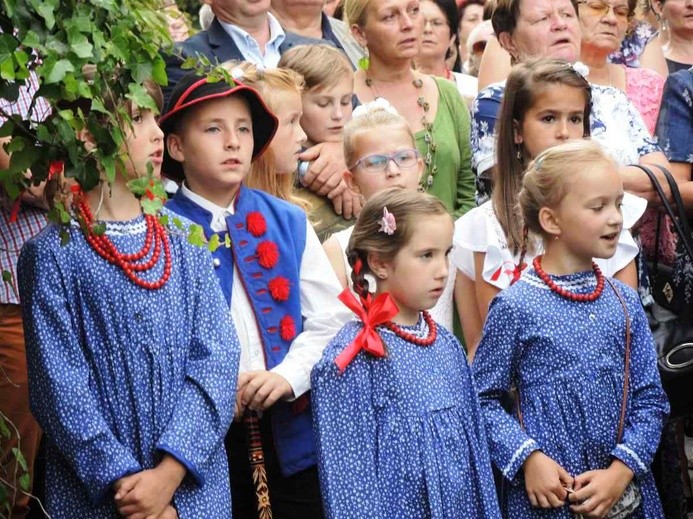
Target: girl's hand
169 513
148 493
597 491
545 481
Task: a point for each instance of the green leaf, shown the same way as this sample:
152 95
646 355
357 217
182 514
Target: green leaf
10 6
159 71
108 164
6 128
25 482
178 223
45 10
139 95
214 243
64 237
99 228
196 235
57 73
20 458
227 241
82 48
7 70
4 430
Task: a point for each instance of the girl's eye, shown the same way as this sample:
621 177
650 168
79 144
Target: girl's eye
598 208
323 104
428 254
576 119
137 118
212 129
548 118
244 129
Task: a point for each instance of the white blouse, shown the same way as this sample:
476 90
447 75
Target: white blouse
480 231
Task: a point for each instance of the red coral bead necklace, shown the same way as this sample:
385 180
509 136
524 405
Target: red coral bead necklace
572 296
130 263
410 337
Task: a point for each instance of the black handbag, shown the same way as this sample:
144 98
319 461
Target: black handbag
673 338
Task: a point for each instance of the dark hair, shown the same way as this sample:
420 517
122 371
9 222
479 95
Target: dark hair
407 207
524 84
507 12
449 8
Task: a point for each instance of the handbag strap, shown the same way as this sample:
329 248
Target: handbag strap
626 363
679 220
626 371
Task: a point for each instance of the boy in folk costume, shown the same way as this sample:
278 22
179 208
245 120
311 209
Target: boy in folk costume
277 281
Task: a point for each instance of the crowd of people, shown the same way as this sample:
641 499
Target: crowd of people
431 297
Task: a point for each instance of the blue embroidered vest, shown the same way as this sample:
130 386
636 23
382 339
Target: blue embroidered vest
267 239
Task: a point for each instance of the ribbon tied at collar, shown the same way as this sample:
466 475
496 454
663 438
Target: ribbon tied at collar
372 313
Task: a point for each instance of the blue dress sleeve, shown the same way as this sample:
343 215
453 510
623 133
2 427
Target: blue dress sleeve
494 367
59 375
345 431
676 117
205 407
648 406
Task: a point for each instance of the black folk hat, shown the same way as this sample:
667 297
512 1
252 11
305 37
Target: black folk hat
192 90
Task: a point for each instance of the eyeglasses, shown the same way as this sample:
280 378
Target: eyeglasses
377 163
600 8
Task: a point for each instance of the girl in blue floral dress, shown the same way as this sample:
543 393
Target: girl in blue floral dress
398 427
573 444
132 357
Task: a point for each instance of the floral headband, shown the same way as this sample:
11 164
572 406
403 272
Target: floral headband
388 224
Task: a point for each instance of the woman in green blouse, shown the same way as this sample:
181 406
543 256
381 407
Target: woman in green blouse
392 31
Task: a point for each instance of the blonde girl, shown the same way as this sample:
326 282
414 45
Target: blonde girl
274 171
397 425
380 150
578 350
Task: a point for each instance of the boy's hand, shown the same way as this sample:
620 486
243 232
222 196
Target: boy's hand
259 390
325 174
149 492
545 481
597 491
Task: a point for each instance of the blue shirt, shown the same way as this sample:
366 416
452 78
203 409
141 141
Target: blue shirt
249 46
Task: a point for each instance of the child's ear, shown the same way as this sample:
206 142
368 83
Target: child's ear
378 265
549 222
358 35
517 134
174 145
350 182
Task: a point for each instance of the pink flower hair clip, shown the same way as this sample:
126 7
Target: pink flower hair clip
388 225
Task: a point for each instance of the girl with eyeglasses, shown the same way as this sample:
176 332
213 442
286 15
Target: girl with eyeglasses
380 150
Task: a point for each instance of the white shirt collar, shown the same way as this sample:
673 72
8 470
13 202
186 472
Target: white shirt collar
219 214
276 32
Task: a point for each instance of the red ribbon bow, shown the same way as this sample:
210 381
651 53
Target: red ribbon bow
372 313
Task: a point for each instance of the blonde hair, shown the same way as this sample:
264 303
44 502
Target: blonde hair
408 207
372 118
322 66
355 12
269 84
548 178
